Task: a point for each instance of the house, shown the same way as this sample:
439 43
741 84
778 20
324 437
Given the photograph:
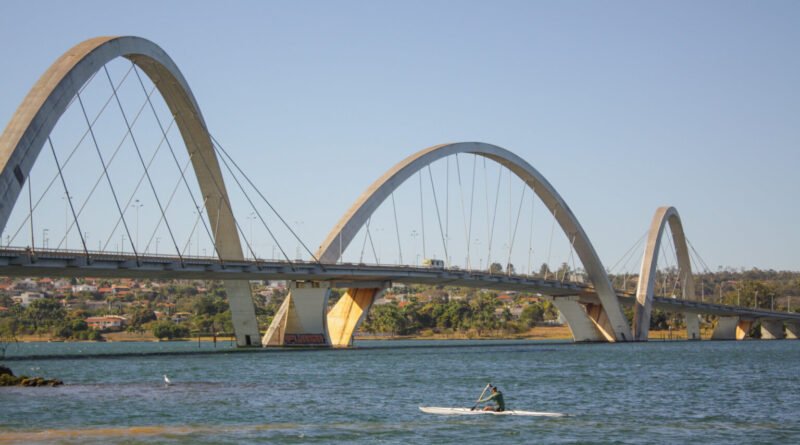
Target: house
181 317
26 284
78 288
107 323
26 298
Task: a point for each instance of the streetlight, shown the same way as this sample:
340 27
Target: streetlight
251 217
122 239
158 238
44 238
137 205
66 199
414 236
297 229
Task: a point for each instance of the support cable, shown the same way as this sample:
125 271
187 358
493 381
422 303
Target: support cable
472 204
177 164
438 216
530 234
422 216
550 244
364 243
516 225
396 230
266 201
252 206
132 195
108 178
463 210
570 259
494 215
447 209
144 164
73 151
69 197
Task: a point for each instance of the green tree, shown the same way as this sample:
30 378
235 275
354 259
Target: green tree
496 268
43 313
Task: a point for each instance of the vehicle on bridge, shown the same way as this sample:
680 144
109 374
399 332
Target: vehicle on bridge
433 263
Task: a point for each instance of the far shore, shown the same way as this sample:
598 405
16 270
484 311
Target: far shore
535 333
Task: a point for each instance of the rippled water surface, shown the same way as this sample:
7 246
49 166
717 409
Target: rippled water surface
675 392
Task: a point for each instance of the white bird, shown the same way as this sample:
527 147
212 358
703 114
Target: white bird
167 382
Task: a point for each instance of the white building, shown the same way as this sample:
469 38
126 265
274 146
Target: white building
26 298
78 288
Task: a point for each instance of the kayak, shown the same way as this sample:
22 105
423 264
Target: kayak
467 411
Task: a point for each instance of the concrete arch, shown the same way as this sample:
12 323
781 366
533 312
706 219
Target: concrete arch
29 128
647 275
612 323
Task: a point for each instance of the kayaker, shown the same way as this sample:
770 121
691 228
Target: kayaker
497 398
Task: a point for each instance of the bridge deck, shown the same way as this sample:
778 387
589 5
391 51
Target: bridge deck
25 263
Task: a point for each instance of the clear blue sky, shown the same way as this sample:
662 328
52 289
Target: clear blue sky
623 106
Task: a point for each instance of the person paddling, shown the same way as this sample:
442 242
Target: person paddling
497 398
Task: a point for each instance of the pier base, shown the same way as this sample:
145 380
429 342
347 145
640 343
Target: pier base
348 313
692 326
792 331
726 328
772 330
582 327
301 319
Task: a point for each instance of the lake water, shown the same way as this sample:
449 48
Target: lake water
658 392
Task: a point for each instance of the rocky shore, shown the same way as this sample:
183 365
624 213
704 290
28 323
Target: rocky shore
7 378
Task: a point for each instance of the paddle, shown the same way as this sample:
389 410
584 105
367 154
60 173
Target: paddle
488 385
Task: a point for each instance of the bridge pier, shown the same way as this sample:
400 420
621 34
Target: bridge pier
583 328
348 313
772 330
243 314
692 326
743 329
301 319
727 329
792 331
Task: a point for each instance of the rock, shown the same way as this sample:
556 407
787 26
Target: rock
23 380
5 371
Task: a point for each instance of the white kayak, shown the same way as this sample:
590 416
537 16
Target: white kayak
467 411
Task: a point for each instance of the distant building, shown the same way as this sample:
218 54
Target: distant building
78 288
26 298
107 323
26 284
181 317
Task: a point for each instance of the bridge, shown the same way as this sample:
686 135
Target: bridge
593 308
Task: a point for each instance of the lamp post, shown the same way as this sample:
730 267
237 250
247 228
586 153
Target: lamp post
158 238
414 236
44 238
251 217
137 205
66 199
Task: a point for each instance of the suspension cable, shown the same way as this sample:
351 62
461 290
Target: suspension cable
396 229
422 215
530 234
108 178
516 225
182 171
494 215
144 164
73 151
68 197
438 217
132 195
550 244
261 195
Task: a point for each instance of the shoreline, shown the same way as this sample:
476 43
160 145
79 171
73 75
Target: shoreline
535 333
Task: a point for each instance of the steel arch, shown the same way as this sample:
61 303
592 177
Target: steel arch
647 275
29 128
343 233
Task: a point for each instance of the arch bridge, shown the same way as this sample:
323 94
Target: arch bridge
593 310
